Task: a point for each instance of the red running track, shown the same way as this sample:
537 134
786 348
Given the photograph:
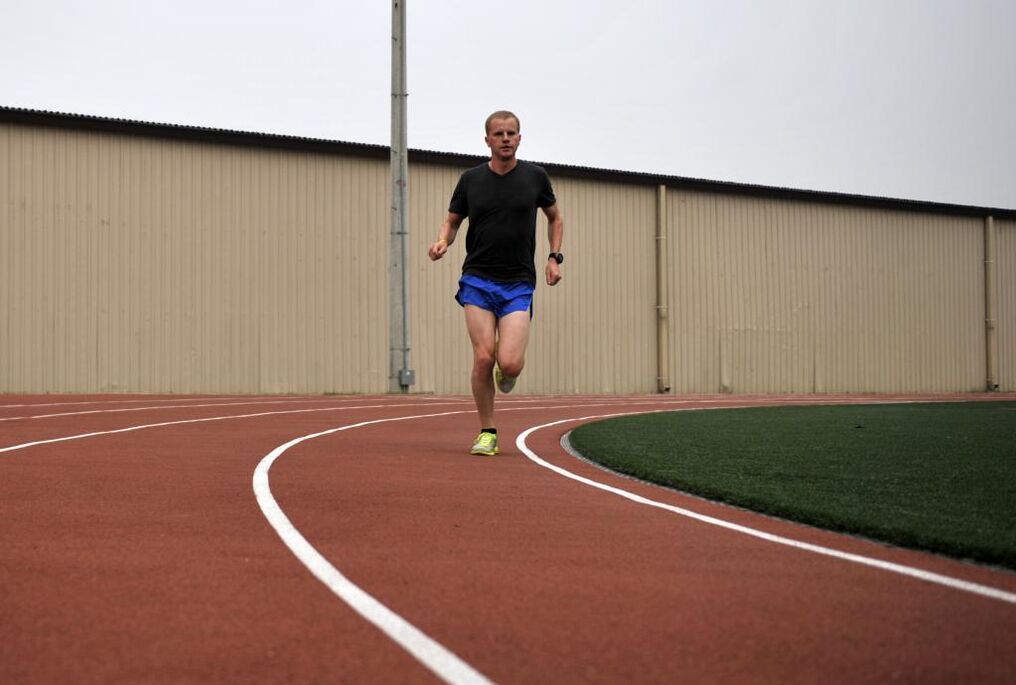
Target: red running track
141 553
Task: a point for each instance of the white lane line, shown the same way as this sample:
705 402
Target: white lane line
136 401
174 406
673 402
920 574
129 429
435 656
441 661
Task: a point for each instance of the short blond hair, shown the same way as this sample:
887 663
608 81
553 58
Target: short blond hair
501 114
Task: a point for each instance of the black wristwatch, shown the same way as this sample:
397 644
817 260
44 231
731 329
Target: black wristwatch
556 256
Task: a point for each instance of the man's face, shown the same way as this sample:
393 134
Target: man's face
503 138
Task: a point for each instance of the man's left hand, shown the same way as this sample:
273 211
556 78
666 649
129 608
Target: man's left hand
553 272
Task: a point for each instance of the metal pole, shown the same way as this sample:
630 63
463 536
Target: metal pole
990 307
400 376
662 315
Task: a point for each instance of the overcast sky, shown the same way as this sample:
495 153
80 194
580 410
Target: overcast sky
911 99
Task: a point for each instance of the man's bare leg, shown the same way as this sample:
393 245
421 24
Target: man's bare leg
512 340
482 327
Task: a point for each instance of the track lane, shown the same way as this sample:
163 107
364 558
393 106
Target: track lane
142 557
25 432
12 401
796 543
574 553
158 543
192 404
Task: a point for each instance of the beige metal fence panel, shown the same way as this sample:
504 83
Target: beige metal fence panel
1005 304
138 264
48 299
784 296
325 264
593 332
440 351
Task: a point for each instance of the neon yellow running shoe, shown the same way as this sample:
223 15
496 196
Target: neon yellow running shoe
504 383
485 444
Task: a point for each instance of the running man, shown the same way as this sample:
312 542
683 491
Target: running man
500 198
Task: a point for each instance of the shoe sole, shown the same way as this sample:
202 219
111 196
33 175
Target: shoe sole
499 380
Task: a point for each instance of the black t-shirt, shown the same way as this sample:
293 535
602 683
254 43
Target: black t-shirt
501 240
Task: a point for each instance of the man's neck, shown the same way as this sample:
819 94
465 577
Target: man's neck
501 166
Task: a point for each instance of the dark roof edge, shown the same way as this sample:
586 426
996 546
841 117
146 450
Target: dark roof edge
194 133
273 140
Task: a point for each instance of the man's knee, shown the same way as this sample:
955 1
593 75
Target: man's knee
511 367
483 360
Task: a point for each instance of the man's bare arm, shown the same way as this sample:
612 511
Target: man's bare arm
555 234
446 236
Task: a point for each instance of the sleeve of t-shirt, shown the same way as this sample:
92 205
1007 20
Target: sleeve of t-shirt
460 202
546 197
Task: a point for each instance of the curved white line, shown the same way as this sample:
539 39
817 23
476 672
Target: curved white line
129 429
398 625
173 406
210 398
429 652
928 576
441 661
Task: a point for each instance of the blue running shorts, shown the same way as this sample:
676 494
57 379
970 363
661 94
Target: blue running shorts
499 298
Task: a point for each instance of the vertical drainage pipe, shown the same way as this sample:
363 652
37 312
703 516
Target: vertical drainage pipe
662 324
990 305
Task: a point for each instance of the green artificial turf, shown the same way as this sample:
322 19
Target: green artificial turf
939 477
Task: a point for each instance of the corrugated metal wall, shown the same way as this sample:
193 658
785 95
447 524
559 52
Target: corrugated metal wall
785 296
133 264
158 265
440 352
1006 304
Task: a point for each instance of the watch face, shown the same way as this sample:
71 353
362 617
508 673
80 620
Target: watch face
557 257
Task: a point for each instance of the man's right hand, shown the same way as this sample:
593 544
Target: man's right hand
437 250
